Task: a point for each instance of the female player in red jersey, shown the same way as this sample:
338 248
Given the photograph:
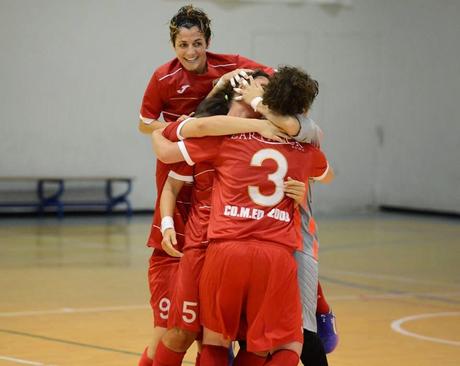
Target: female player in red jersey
262 336
176 88
184 322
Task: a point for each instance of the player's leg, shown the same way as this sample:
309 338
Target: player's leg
285 355
322 304
215 348
222 285
313 353
183 322
245 358
162 271
273 302
327 331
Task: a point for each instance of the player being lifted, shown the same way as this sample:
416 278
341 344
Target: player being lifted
176 88
184 321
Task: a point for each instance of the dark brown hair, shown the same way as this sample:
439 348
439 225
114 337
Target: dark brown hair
189 16
219 103
290 91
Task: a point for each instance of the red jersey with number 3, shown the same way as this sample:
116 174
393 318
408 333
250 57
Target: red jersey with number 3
248 200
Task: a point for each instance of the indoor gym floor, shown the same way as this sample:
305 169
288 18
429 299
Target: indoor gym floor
74 292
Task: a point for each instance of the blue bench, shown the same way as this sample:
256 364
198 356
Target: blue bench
50 193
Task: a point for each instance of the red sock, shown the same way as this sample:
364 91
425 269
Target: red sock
284 357
145 360
214 355
322 307
198 359
245 358
166 357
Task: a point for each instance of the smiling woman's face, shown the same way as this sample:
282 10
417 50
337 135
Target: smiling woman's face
190 46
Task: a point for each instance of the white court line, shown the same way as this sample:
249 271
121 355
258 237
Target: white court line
72 311
23 362
383 296
391 295
396 278
396 326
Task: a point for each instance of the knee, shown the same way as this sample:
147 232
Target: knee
295 347
215 339
179 340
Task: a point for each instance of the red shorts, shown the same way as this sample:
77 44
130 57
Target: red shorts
251 284
184 313
162 274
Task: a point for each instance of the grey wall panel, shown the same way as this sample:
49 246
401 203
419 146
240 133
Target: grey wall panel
73 74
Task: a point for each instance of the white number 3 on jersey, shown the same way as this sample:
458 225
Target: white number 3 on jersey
277 177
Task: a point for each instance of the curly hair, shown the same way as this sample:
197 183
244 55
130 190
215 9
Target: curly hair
189 16
290 91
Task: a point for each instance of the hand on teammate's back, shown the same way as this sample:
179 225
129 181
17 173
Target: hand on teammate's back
295 189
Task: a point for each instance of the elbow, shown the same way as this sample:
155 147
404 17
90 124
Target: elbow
292 127
165 155
165 158
330 176
143 128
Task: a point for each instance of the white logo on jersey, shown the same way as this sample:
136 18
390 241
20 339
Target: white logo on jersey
183 88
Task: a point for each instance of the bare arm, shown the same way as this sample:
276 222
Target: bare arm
148 128
166 151
328 178
228 125
289 124
168 199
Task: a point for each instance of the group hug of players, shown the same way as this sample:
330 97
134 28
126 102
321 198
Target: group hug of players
235 253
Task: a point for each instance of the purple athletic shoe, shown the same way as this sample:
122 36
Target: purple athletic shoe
327 331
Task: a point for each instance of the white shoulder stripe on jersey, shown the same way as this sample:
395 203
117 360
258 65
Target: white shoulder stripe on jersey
185 154
324 174
171 74
225 65
172 114
184 98
204 171
183 178
147 121
179 136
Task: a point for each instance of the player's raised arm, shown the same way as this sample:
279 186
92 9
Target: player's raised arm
228 125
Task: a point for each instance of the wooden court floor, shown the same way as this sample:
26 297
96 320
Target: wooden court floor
74 292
